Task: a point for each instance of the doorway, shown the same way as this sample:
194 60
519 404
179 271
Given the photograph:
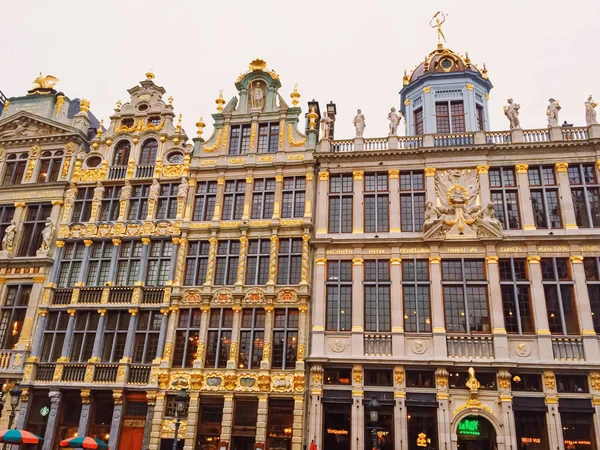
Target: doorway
475 433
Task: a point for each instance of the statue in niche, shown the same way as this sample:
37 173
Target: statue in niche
71 194
394 117
325 126
154 190
126 191
512 113
257 96
47 233
9 236
488 216
183 188
431 216
590 112
552 112
359 123
98 192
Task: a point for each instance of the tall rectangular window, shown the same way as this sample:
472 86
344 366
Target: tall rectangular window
544 197
84 333
516 301
82 207
111 204
458 116
228 255
70 264
285 338
239 141
159 262
268 137
503 187
585 191
15 169
98 265
412 200
465 296
186 337
50 162
12 314
219 337
340 203
289 261
263 197
205 200
34 223
376 199
233 200
415 290
7 212
293 197
418 118
479 112
128 267
257 265
442 117
138 202
339 295
450 117
167 201
196 263
377 287
115 335
147 332
252 338
560 300
592 279
54 335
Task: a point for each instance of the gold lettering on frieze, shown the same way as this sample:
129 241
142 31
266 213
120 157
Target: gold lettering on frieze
464 250
414 250
33 194
340 251
377 251
553 248
512 249
588 248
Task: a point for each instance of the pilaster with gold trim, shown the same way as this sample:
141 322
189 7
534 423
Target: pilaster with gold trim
202 336
248 197
484 184
234 347
538 300
309 195
242 261
159 410
438 319
394 186
497 312
278 196
265 364
397 305
323 194
566 199
430 184
261 419
358 213
212 260
192 421
584 310
273 253
527 220
219 198
358 314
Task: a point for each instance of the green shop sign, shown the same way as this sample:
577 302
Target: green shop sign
469 427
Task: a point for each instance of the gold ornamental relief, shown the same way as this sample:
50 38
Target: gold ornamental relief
217 143
291 140
87 175
173 171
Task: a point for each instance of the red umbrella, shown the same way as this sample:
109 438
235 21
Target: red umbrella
19 437
84 442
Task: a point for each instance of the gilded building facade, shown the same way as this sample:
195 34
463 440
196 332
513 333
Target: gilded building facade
455 276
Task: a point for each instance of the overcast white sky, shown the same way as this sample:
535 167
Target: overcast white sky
351 52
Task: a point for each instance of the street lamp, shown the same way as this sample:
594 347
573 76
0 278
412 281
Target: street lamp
374 416
15 396
181 402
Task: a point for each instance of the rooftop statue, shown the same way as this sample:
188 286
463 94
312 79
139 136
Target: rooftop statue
325 126
552 112
359 123
512 114
438 25
590 112
46 82
394 117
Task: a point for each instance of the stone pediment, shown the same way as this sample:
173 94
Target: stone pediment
25 125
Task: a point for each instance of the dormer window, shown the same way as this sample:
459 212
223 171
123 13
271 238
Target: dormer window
446 64
450 117
154 120
239 143
268 137
128 122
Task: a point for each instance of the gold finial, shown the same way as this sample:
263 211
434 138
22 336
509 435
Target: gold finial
438 25
405 79
84 107
170 100
312 119
150 75
200 125
426 64
258 64
46 82
220 101
467 60
179 123
484 72
99 130
119 104
295 95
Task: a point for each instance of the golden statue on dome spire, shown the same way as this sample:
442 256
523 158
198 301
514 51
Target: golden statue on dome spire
438 25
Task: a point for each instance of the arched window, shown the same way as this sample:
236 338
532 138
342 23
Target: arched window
121 156
148 154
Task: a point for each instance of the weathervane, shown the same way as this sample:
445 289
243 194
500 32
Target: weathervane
438 25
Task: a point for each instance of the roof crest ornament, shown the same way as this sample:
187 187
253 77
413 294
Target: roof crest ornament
46 82
438 25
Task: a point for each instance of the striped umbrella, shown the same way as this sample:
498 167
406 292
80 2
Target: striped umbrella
19 437
84 442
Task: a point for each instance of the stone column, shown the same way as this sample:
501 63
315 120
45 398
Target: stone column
163 333
566 199
265 364
68 342
202 336
179 264
241 272
527 221
553 419
358 316
212 256
315 407
168 351
400 415
318 308
159 409
219 199
55 399
278 197
39 334
497 312
586 324
398 306
151 397
26 335
309 194
128 352
430 185
273 251
227 419
298 424
261 420
248 197
358 217
144 258
322 203
484 184
394 181
192 421
305 267
98 337
84 267
357 421
538 300
235 337
506 409
23 413
438 316
302 335
115 424
444 418
84 419
55 212
174 258
190 203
